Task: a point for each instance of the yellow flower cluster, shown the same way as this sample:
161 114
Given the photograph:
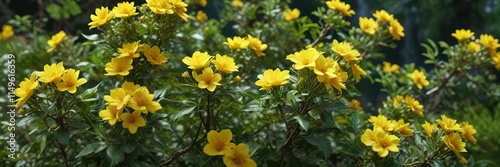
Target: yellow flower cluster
127 104
255 44
380 138
350 55
122 64
384 20
291 15
341 7
485 42
7 32
219 143
390 68
410 102
55 40
454 134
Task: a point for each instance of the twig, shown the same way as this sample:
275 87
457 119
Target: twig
184 150
63 153
322 35
441 86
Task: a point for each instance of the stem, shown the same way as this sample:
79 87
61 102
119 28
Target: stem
209 114
63 153
322 35
184 150
445 81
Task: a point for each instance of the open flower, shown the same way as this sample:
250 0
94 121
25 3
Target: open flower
341 7
118 97
256 45
153 55
381 122
382 16
180 9
419 79
111 114
325 68
218 142
25 90
124 10
368 25
454 142
101 17
142 101
70 81
201 16
390 68
225 64
473 47
448 125
207 79
304 58
403 128
51 73
429 128
337 82
462 34
396 30
130 87
272 78
236 43
489 42
357 71
198 60
468 132
346 51
129 50
160 6
415 105
238 156
291 15
368 137
132 121
119 66
381 141
55 40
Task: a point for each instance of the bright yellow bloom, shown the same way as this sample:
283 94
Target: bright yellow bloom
381 121
415 105
117 97
355 104
291 15
368 137
129 50
236 43
70 81
160 6
396 30
419 79
198 60
7 32
124 10
468 132
449 125
473 47
51 73
489 42
153 55
218 142
397 100
341 7
132 121
368 25
111 114
403 128
304 58
337 82
357 71
272 78
238 156
383 17
256 45
225 64
55 40
130 87
185 74
390 68
119 66
101 17
207 79
237 4
496 60
180 9
325 68
142 101
380 141
429 128
201 16
345 50
202 3
454 142
25 90
462 34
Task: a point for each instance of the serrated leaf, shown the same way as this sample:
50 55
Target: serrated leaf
92 148
304 123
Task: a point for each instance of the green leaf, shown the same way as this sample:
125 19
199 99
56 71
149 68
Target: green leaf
54 11
115 154
183 112
322 143
91 37
42 140
62 136
304 123
92 148
89 94
128 147
356 123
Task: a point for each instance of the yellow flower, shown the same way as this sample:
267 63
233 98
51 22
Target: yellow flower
462 34
397 100
419 79
142 101
185 74
225 64
345 50
429 128
272 78
207 79
119 66
468 132
201 16
70 81
238 156
403 128
132 121
341 7
130 87
357 71
55 40
237 4
454 142
202 3
449 125
496 60
304 58
160 6
368 25
25 90
355 104
473 47
117 97
51 73
382 16
325 68
7 32
415 105
198 60
381 121
368 137
129 50
111 114
390 68
396 30
337 82
218 142
256 45
180 9
124 10
291 15
489 42
380 141
101 17
236 43
153 55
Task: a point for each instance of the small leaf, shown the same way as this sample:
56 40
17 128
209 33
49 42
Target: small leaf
128 148
115 154
183 112
91 37
62 136
304 123
92 148
89 94
42 140
322 143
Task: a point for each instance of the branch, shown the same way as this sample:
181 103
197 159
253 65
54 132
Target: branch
322 35
441 86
